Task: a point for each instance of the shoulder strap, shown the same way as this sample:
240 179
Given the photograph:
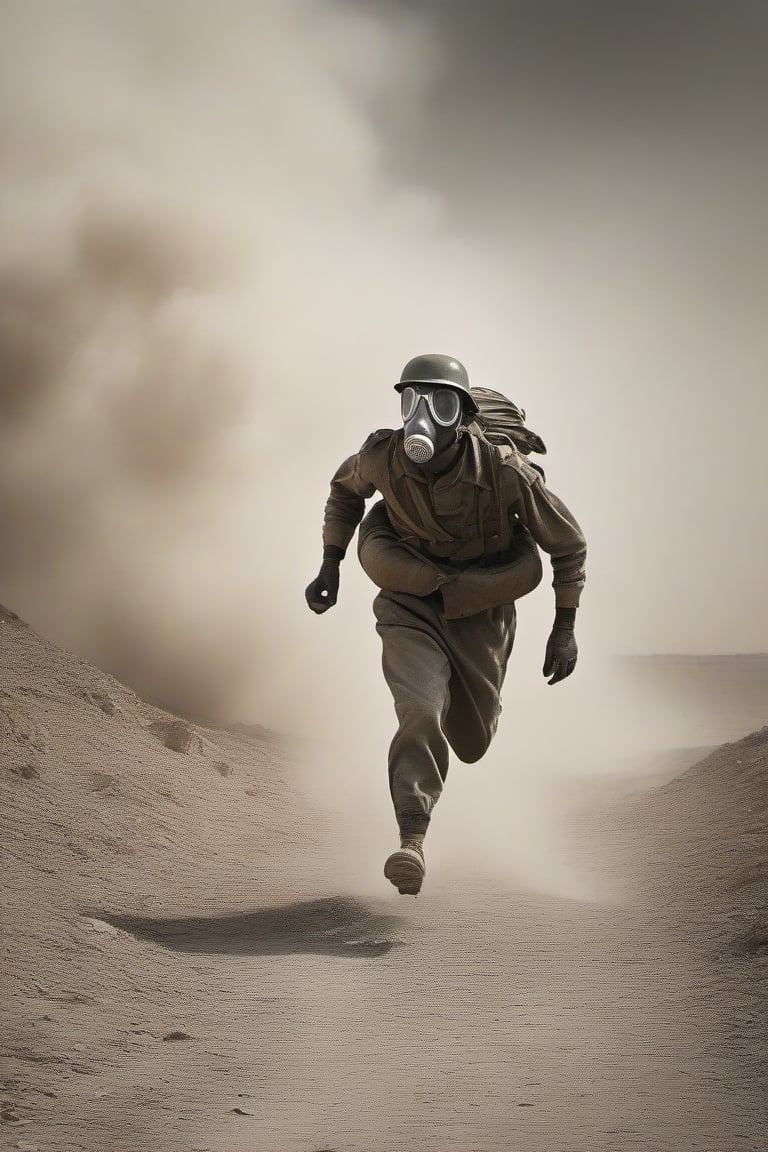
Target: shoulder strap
376 438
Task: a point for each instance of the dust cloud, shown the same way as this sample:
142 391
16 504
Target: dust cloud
196 256
210 275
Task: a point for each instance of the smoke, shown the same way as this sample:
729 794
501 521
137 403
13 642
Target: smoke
211 272
191 207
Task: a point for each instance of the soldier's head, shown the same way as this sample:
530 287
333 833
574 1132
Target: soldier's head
435 398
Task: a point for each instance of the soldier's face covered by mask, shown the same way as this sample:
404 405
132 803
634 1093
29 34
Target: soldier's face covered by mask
431 419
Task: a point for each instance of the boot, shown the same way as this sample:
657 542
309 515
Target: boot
405 868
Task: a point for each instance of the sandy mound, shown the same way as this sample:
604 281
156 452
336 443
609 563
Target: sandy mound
184 967
710 838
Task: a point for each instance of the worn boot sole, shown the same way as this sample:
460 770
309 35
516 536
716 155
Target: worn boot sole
405 869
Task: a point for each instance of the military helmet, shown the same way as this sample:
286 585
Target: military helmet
437 369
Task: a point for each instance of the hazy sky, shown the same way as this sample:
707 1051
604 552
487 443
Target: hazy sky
225 228
612 158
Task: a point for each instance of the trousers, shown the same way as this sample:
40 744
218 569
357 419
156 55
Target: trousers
445 677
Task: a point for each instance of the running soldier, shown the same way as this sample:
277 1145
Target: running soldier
452 545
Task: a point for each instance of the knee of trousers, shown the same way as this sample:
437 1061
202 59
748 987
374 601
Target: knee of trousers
471 755
470 742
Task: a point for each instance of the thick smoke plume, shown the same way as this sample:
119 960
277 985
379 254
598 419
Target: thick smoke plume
191 200
212 269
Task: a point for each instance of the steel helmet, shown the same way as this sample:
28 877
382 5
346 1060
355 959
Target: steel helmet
437 369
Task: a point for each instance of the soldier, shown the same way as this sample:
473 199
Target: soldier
452 546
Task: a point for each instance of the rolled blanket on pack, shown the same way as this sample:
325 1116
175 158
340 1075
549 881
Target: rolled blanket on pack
394 565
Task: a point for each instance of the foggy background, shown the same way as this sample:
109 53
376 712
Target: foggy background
223 231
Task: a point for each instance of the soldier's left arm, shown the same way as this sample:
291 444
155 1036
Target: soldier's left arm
557 532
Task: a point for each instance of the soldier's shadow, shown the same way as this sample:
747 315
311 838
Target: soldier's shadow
336 926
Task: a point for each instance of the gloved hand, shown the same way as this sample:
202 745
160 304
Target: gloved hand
560 658
322 593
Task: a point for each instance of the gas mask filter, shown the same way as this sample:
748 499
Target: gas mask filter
431 415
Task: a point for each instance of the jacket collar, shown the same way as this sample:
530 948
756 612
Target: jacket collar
468 468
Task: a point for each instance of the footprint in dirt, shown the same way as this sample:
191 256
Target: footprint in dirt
336 926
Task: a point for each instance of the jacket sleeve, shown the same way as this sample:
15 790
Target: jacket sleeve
555 530
346 503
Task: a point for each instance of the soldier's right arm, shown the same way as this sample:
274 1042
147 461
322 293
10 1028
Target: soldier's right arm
351 486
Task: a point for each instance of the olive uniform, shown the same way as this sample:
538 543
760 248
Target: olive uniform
451 554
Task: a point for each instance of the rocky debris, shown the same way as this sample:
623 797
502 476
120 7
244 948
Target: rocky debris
28 1054
223 769
177 1036
756 940
71 997
750 873
27 771
177 736
102 781
96 925
18 724
103 701
255 731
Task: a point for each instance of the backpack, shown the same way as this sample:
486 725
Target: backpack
502 422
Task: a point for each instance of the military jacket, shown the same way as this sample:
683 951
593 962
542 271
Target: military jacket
464 516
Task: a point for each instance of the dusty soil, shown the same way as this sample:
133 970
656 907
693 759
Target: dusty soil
185 967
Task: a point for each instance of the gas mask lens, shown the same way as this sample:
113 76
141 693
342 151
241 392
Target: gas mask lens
444 404
409 398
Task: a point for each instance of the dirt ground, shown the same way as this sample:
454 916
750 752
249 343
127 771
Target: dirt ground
186 966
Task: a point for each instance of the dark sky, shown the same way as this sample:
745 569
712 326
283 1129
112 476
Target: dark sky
544 101
647 71
613 157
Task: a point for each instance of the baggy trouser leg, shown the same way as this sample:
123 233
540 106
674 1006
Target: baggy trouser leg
480 647
417 671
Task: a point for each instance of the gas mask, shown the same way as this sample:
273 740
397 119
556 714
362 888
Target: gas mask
431 417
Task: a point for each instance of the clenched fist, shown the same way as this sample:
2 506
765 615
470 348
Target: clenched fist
322 593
